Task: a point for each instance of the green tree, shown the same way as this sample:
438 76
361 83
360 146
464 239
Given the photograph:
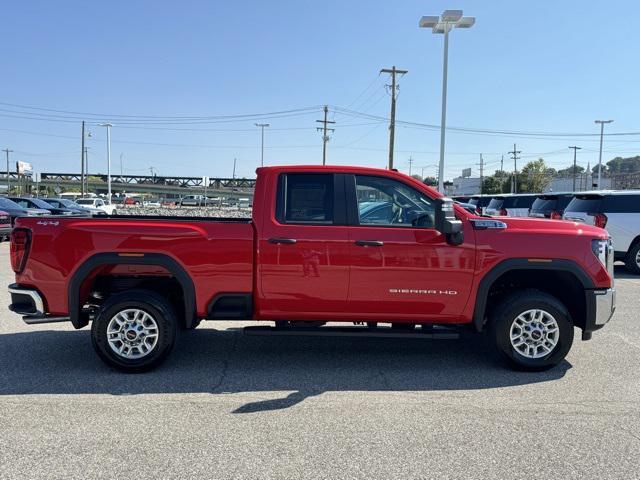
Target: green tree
431 181
623 165
568 172
535 177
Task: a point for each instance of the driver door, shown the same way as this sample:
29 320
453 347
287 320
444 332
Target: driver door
402 269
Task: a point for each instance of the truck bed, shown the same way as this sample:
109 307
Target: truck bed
60 246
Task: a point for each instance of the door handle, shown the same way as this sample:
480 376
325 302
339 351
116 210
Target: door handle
283 241
369 243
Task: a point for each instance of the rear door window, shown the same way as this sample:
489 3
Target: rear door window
306 198
585 204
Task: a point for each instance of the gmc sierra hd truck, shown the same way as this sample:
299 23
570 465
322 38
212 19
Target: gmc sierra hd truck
374 248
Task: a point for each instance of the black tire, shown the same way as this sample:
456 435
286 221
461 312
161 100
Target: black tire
161 313
506 313
631 260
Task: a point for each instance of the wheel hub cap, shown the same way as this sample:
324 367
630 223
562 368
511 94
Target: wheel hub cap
132 333
534 333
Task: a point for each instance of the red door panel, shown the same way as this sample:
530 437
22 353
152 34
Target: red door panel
414 274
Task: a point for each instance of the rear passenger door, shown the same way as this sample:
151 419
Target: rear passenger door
303 250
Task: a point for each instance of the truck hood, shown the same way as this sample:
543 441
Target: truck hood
544 225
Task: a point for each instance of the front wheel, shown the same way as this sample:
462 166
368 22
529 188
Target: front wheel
532 330
134 331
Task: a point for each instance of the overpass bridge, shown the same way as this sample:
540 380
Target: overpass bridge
156 185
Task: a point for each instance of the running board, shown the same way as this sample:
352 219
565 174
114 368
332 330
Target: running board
350 332
35 320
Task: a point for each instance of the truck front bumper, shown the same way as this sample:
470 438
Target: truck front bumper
601 304
28 303
605 305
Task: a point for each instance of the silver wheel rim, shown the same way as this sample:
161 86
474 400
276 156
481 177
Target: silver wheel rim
534 333
638 258
132 333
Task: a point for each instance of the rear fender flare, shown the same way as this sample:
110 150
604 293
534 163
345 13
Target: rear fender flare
100 259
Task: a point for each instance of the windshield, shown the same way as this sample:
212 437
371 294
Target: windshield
585 204
496 203
543 204
6 203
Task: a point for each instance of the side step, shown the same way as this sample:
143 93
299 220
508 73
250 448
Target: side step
37 320
380 332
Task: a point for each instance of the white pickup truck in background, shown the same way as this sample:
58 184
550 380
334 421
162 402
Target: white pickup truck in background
98 203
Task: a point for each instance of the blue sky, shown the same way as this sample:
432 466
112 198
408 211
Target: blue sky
531 66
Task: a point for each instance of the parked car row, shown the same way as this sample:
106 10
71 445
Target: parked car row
617 211
13 207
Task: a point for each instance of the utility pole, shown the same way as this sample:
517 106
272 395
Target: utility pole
481 173
392 126
121 167
234 168
602 123
514 155
86 170
108 125
7 151
82 163
325 136
575 149
410 164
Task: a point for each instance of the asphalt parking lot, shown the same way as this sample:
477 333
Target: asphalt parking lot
227 405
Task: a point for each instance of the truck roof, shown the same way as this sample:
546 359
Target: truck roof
345 169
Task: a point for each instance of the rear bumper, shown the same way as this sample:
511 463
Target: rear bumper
28 303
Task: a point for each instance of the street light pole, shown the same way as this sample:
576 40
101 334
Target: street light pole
443 116
108 125
262 127
443 24
601 122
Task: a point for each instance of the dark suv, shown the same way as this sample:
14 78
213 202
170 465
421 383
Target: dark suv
550 205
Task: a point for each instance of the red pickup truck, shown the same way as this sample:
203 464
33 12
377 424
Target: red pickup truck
372 247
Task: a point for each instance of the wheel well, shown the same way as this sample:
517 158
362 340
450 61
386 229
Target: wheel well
563 285
102 286
154 271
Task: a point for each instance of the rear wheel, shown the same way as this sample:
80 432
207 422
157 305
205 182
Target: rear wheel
532 330
632 260
134 331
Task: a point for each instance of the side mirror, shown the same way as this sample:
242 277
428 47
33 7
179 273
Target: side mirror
446 221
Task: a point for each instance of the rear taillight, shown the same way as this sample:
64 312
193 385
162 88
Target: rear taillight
555 215
600 220
19 249
503 212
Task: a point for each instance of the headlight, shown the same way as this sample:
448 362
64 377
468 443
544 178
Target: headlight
603 250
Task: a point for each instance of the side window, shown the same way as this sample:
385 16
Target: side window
386 202
306 198
99 203
622 203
